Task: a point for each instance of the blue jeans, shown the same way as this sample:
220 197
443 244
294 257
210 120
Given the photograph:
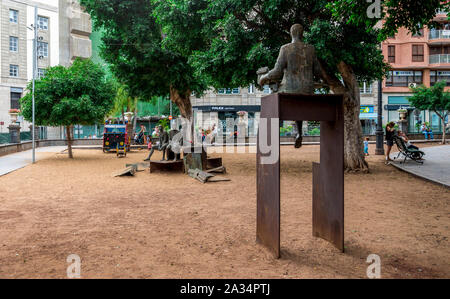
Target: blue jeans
428 134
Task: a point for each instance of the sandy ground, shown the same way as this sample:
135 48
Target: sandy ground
171 226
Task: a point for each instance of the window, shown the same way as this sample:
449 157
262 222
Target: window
41 73
42 49
391 54
13 16
15 99
251 89
228 91
404 78
267 89
417 53
13 44
42 23
439 50
13 70
437 76
365 88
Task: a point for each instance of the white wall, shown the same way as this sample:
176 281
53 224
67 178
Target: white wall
54 35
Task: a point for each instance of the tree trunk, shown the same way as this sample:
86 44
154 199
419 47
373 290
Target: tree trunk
183 101
69 141
354 159
353 144
442 117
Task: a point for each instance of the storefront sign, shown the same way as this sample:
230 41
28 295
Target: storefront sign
228 108
367 109
392 107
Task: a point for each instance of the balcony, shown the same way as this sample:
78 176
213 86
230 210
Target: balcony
439 34
439 59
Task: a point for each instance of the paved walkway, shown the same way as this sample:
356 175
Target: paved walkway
435 168
12 162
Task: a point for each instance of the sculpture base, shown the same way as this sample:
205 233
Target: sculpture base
166 166
14 133
328 181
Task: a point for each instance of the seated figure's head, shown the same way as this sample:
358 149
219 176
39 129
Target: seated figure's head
297 31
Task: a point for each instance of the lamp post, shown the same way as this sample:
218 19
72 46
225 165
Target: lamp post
35 27
380 134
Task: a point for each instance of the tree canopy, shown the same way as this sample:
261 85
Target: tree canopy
65 96
175 47
140 53
394 14
434 98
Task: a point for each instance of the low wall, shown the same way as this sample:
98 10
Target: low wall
6 149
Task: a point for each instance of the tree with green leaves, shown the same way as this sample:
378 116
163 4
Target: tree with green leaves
65 96
247 34
135 47
176 47
394 14
435 99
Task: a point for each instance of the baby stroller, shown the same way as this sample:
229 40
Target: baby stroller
413 154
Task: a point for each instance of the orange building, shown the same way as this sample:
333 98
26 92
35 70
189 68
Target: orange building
423 58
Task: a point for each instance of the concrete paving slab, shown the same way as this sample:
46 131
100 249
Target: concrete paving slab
436 167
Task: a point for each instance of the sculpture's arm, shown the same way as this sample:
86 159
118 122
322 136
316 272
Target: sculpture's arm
277 73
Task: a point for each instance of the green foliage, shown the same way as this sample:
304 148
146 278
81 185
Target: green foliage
411 14
164 123
433 98
138 49
246 35
78 94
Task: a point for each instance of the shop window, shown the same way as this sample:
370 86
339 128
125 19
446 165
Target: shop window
437 76
404 78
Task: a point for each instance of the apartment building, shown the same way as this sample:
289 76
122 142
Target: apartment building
422 58
63 31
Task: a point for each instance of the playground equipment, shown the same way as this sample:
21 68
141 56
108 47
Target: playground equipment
115 138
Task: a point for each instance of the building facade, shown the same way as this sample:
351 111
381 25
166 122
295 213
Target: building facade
227 104
63 35
423 58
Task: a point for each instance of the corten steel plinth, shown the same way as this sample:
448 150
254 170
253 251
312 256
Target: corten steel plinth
328 176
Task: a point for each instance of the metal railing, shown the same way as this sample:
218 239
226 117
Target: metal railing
440 58
439 34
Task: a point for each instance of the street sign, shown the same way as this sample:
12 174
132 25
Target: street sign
170 117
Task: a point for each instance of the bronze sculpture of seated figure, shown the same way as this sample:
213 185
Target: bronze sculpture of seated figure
167 142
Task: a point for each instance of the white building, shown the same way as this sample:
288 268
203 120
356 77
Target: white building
63 35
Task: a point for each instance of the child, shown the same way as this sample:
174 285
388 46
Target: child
366 146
